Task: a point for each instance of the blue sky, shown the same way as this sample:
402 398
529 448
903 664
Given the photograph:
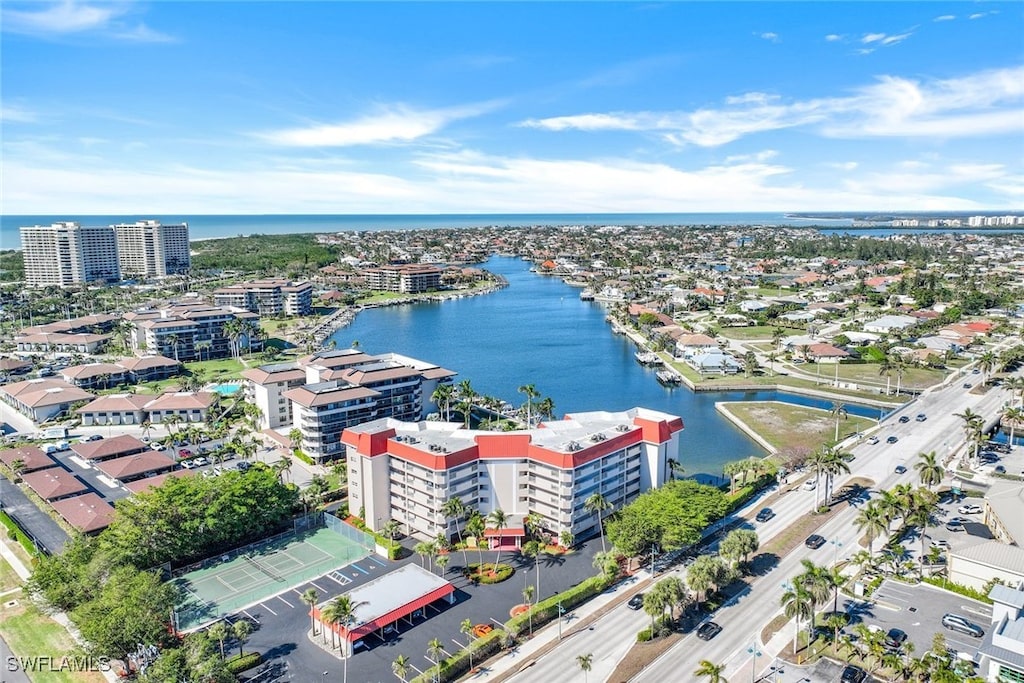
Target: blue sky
261 107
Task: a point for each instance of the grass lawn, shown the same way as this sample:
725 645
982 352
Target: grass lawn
8 578
744 333
221 368
787 426
29 632
867 373
851 393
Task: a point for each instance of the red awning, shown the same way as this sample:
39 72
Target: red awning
511 532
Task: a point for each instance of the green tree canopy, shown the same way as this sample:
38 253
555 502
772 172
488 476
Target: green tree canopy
672 516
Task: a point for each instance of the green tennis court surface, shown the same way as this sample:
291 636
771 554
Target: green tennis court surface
222 589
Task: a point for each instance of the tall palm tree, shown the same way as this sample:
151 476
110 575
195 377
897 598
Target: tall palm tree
454 508
797 603
885 367
174 340
434 651
468 396
586 663
219 632
674 468
310 598
711 671
531 393
528 592
546 408
1013 415
834 461
341 611
498 520
972 426
475 527
442 398
466 629
442 563
400 667
838 410
928 469
922 506
597 504
872 522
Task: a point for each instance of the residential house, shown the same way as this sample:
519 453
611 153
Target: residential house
115 409
890 323
713 362
1001 654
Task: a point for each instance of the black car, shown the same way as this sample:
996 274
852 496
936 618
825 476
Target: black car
895 638
900 469
708 631
814 541
636 602
764 515
904 419
892 439
853 674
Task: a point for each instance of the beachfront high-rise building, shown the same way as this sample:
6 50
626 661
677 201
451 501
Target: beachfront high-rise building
67 253
150 249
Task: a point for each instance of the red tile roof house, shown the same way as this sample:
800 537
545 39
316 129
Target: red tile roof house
42 399
139 466
693 344
32 457
186 405
95 375
150 368
55 483
115 409
105 449
825 353
88 512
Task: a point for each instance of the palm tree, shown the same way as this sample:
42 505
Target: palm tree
710 670
310 597
282 467
442 398
885 367
674 468
498 520
872 522
531 393
586 663
566 539
986 363
546 408
1013 416
597 504
475 527
295 438
834 461
838 410
797 603
922 506
174 340
928 469
219 632
434 651
528 599
400 667
241 630
456 509
341 611
468 396
972 426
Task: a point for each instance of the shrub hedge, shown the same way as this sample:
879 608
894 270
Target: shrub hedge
393 547
302 456
238 664
457 665
547 609
966 591
15 532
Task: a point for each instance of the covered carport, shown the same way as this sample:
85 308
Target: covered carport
386 600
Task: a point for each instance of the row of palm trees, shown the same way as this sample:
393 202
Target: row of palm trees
746 469
828 462
911 506
463 398
809 590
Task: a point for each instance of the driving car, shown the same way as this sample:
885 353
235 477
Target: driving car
895 638
900 469
93 437
904 419
481 630
708 630
969 509
873 440
921 417
811 484
814 541
954 622
764 515
636 602
967 385
892 439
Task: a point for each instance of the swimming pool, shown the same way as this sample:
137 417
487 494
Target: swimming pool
226 389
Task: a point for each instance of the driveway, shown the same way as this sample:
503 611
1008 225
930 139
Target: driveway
43 530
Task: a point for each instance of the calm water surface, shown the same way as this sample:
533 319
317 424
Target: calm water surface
537 331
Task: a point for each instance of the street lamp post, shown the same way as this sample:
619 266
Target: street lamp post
560 613
754 654
836 545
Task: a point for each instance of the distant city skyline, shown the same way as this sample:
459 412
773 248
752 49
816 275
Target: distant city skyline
419 108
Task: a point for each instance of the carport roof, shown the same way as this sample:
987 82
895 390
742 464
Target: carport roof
393 596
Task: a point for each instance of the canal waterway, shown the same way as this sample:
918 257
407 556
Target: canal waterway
537 331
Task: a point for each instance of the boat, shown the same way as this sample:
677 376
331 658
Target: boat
587 295
647 358
668 377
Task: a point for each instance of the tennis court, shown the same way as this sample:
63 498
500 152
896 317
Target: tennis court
263 571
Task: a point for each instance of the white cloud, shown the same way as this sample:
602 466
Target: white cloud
833 37
885 38
396 124
945 17
771 37
979 15
14 114
984 103
69 17
842 165
760 157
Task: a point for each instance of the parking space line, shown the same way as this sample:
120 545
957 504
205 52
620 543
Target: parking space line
264 606
319 588
361 569
285 601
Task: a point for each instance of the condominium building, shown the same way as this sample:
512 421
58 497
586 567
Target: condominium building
407 470
67 253
150 249
407 279
195 331
271 298
323 393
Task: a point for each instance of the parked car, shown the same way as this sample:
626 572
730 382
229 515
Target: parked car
954 622
93 437
940 543
189 464
999 469
636 602
764 515
892 439
201 461
185 453
954 525
243 466
969 509
895 638
158 447
853 674
900 469
904 419
708 630
814 541
481 630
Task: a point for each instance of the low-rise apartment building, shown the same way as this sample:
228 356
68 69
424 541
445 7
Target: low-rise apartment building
407 470
187 332
272 298
407 278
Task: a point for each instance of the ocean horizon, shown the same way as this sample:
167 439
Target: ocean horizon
212 226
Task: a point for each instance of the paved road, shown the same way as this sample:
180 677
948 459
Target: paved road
41 526
7 664
743 620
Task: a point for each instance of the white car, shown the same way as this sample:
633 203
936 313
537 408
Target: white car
969 509
811 484
188 464
158 447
